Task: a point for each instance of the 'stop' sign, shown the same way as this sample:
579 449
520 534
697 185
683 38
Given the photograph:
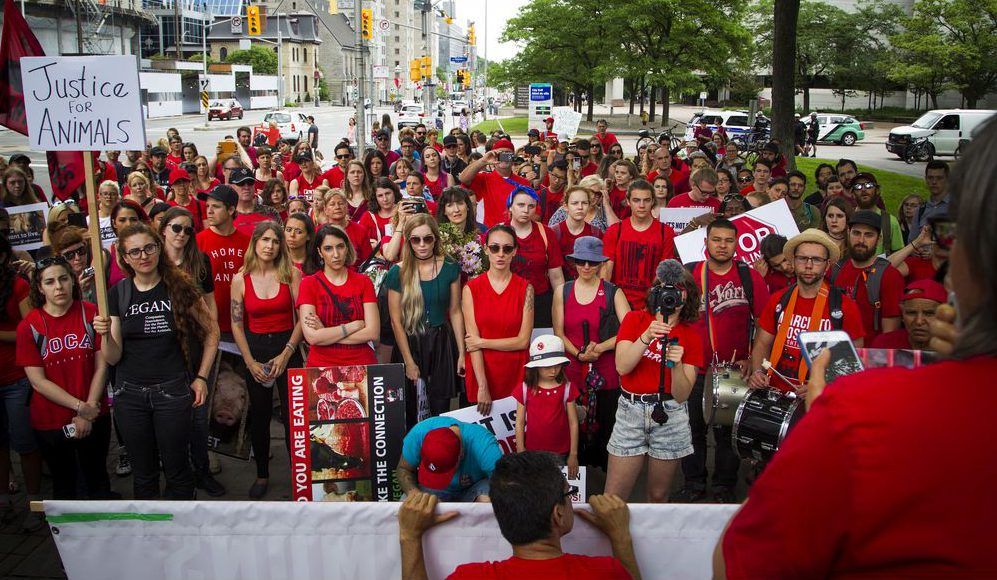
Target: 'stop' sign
83 103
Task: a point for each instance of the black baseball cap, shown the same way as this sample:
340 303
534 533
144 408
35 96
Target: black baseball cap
240 176
303 156
224 194
533 133
157 150
866 217
449 141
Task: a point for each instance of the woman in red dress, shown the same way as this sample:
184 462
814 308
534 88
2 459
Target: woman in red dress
434 178
498 316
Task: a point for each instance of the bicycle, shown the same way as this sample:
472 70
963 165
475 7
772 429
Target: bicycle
919 149
646 138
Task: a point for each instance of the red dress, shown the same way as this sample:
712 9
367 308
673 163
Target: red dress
566 241
498 316
547 423
576 313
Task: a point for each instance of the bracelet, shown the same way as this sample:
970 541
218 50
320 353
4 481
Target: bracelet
345 334
290 347
642 340
79 404
202 378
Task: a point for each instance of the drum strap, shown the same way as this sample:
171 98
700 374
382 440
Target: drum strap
784 324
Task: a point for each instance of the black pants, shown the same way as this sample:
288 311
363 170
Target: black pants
435 352
593 450
155 422
70 459
694 466
264 347
542 315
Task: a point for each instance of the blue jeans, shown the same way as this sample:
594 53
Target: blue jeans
466 495
15 417
157 418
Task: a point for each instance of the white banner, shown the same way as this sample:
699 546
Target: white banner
566 122
501 422
752 227
202 540
83 103
679 217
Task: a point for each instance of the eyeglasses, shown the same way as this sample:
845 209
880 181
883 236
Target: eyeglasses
347 156
429 240
811 260
73 254
50 261
147 250
865 185
503 249
589 263
744 179
178 229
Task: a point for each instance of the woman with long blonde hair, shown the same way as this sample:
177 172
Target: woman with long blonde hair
426 318
267 334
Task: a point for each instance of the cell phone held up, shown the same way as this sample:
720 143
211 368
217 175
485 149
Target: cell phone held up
506 156
844 358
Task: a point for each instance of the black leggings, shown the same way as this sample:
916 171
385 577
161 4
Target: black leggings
264 347
69 459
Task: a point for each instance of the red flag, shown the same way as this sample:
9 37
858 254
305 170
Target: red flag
17 41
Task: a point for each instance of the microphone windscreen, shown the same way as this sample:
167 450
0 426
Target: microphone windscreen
670 272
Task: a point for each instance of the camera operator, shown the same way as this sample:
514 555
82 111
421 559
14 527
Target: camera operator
658 354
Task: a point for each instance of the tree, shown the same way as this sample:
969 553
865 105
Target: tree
262 59
784 64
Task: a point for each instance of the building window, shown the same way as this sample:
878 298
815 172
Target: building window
306 82
397 51
223 53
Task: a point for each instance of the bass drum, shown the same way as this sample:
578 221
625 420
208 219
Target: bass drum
724 391
762 421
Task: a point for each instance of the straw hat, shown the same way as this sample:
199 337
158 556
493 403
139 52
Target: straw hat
812 236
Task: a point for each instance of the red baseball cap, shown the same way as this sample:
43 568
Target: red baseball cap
440 457
549 120
503 144
178 175
926 290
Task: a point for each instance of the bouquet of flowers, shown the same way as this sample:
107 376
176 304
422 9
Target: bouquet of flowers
464 248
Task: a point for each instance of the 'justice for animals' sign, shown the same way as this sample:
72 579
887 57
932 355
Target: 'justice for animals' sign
83 103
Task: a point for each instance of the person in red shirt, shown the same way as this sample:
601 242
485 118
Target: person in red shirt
635 245
337 306
576 204
308 180
702 194
182 195
664 165
603 135
362 236
175 156
494 187
624 172
225 247
863 270
539 257
548 135
552 194
921 259
652 423
529 482
920 302
584 151
771 154
60 353
805 306
249 211
761 173
726 324
777 270
337 173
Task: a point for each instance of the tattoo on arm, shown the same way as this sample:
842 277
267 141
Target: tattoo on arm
530 296
237 311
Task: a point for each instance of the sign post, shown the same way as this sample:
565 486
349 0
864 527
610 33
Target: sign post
541 103
89 104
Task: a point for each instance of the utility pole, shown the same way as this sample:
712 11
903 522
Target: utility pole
427 90
280 64
177 28
361 111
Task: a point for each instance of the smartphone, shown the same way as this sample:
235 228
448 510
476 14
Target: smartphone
844 359
69 431
77 219
506 156
576 163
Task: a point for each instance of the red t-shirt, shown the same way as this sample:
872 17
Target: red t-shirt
551 202
497 316
360 236
618 201
729 316
534 257
676 176
870 509
643 379
173 161
776 280
306 188
850 280
607 140
566 566
685 200
67 354
920 269
547 417
636 255
379 227
334 176
226 254
896 340
290 170
349 299
435 188
588 169
10 372
494 190
566 241
246 222
789 363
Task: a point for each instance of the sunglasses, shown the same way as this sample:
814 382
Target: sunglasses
418 241
77 253
743 179
501 248
589 263
347 156
50 261
866 185
178 229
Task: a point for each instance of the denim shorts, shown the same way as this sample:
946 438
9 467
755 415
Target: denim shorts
15 417
635 433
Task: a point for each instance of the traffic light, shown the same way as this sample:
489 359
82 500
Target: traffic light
460 77
471 38
253 20
427 66
367 23
414 70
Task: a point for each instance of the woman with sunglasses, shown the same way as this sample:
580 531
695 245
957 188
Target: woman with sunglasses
358 189
274 194
337 307
588 329
299 231
616 150
157 314
426 319
498 317
73 244
267 334
376 166
60 353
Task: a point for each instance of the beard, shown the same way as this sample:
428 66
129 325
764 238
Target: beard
862 253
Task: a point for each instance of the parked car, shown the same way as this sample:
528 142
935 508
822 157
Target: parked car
411 115
840 129
225 109
292 124
459 106
946 130
735 123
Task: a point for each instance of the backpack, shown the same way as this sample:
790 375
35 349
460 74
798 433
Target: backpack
834 299
609 323
873 286
41 338
886 228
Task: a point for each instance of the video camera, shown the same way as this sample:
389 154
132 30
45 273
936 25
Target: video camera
664 298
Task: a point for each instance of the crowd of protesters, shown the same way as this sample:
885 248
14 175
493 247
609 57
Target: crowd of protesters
381 257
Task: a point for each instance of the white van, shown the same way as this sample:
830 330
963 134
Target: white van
944 128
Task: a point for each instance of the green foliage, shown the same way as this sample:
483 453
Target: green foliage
262 59
512 126
199 57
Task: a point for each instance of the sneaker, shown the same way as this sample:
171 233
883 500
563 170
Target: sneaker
724 495
124 467
33 522
258 490
688 495
209 484
214 466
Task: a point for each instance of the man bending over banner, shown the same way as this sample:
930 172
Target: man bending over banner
454 459
531 500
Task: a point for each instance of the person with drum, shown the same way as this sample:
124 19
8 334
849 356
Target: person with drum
658 354
734 295
793 309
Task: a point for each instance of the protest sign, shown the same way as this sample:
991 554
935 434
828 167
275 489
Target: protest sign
752 227
228 405
579 496
347 425
501 422
27 223
83 103
679 217
566 122
541 101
